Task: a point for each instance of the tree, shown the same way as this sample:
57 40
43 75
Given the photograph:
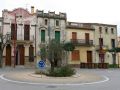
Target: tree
4 40
115 50
55 53
68 47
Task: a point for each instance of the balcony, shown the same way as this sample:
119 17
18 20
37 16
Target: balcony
82 42
21 40
76 25
104 48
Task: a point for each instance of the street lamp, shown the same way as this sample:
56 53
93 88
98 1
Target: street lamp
114 57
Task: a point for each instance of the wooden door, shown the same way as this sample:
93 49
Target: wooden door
26 32
21 50
89 56
87 37
8 56
74 37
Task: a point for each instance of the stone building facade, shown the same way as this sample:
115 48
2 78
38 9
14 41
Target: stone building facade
21 24
50 26
30 29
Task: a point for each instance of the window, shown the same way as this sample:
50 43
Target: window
26 32
46 22
57 36
42 35
106 30
112 30
57 23
75 55
101 41
113 43
74 35
100 29
13 31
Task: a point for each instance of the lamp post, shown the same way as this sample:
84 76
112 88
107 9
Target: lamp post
114 57
101 51
4 40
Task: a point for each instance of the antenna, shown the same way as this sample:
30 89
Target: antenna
26 5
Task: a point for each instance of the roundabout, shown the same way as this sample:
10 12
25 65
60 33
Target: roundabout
28 77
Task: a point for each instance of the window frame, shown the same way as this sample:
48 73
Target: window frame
46 21
112 30
57 23
106 30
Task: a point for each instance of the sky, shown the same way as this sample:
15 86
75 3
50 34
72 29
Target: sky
85 11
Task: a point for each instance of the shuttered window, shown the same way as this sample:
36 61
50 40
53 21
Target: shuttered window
26 32
42 35
13 32
75 55
57 35
74 35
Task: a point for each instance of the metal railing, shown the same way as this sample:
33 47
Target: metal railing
103 47
21 37
82 42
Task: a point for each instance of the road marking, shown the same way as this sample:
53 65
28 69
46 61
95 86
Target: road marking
48 84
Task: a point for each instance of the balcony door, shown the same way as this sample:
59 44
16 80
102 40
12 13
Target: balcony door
57 36
42 35
13 31
74 37
26 32
87 38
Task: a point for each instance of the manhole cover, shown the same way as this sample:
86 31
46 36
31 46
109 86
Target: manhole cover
51 86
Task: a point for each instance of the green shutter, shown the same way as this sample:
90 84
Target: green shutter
57 35
42 35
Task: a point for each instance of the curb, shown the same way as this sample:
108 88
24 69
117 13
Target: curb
51 84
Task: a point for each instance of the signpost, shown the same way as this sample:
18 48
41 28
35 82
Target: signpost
41 65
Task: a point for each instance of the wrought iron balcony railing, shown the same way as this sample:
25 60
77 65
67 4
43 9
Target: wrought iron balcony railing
82 42
103 47
21 38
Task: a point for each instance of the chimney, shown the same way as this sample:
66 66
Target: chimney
32 9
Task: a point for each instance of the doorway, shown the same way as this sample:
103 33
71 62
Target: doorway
8 55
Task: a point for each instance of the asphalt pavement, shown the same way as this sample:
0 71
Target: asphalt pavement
26 80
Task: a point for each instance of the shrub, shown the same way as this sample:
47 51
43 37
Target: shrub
62 72
113 66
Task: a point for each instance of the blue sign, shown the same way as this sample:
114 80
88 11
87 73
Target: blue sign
41 64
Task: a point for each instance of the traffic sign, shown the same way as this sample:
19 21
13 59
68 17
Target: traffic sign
41 64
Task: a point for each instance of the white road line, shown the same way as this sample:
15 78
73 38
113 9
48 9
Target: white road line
46 84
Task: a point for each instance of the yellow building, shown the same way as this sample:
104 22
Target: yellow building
82 36
119 53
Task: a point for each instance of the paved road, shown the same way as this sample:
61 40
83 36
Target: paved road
112 84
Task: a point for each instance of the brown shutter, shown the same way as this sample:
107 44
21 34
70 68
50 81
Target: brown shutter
75 55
